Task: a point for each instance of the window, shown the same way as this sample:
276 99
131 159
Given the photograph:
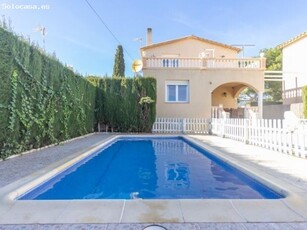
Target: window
177 91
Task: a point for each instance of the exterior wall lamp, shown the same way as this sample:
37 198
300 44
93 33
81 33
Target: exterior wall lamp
224 94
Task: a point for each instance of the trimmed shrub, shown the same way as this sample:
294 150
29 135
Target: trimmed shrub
125 104
41 101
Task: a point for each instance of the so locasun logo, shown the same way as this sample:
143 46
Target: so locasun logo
12 6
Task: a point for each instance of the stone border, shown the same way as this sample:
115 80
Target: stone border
47 146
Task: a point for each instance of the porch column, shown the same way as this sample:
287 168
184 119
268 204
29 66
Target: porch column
260 104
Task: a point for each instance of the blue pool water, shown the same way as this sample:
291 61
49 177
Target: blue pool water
151 168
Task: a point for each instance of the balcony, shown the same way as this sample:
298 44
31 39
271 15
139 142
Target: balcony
291 96
205 63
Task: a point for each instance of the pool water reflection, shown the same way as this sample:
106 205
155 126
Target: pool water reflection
151 168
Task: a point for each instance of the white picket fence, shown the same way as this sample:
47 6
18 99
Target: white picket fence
277 135
181 125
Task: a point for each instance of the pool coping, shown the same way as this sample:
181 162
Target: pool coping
293 208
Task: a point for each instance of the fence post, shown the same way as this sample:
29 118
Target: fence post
209 126
245 130
184 122
223 127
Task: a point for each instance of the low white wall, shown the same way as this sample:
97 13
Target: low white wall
297 109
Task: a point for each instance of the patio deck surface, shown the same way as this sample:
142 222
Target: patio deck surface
288 171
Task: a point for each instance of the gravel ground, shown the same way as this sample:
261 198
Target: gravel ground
24 165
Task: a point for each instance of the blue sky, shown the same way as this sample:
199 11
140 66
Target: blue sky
79 39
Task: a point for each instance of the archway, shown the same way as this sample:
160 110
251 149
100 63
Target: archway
225 98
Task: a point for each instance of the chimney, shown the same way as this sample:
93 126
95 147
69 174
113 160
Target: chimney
149 37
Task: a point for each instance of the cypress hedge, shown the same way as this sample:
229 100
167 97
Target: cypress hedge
41 101
125 104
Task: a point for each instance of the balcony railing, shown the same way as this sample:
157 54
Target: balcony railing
291 93
205 63
291 96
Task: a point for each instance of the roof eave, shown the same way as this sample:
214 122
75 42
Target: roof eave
292 40
194 37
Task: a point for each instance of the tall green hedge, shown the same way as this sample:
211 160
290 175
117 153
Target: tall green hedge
41 101
304 95
44 102
125 104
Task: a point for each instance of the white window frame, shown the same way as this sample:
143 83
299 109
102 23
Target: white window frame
177 83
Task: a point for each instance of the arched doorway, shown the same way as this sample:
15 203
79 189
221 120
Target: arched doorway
224 98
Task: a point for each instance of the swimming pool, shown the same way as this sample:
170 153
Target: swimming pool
150 168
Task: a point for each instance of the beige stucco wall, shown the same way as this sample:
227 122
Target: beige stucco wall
206 86
223 96
202 83
295 64
188 48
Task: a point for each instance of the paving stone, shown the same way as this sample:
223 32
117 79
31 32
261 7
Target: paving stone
271 226
168 226
222 226
126 226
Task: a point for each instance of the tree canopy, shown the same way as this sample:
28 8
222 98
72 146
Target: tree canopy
273 89
273 58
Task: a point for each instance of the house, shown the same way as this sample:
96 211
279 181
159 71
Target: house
196 75
294 70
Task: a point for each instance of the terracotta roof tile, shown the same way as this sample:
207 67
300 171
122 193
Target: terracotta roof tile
291 41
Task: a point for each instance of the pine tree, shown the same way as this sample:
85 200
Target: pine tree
119 63
273 89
